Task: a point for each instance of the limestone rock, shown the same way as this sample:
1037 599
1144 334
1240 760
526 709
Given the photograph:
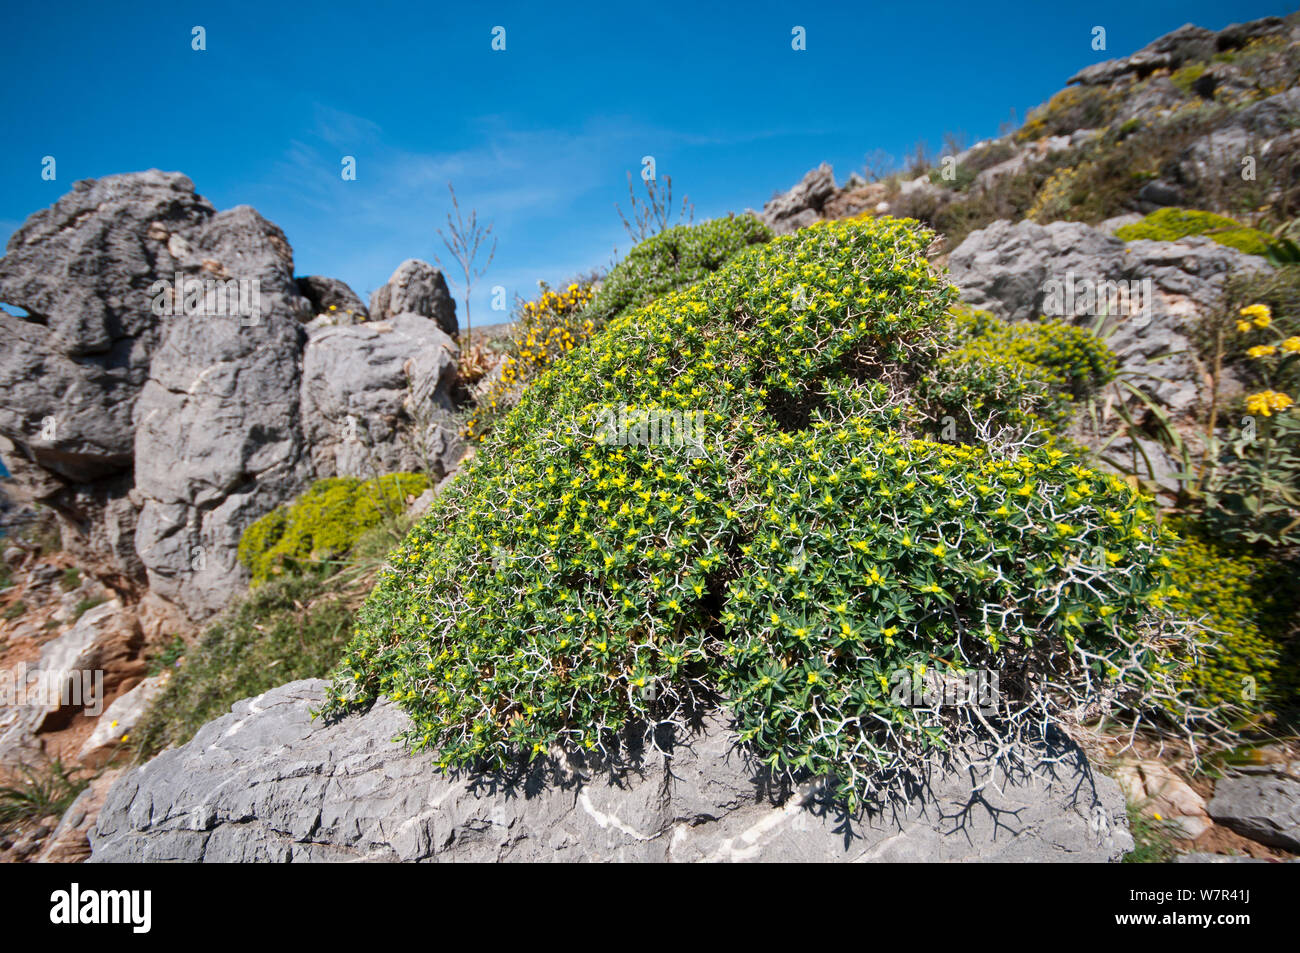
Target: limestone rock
802 205
267 783
1007 268
418 288
376 397
119 719
1263 808
329 295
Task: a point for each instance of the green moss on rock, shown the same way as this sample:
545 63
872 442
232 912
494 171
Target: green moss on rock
1171 224
324 522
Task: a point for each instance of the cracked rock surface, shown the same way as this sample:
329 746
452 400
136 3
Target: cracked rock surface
268 783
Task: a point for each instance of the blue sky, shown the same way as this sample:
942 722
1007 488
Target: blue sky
540 137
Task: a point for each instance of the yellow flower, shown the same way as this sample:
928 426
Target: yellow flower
1265 402
1258 313
1261 350
1291 344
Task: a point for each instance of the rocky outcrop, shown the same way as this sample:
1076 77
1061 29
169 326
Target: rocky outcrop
267 783
153 394
1188 43
1009 270
802 205
1267 131
376 398
416 287
218 440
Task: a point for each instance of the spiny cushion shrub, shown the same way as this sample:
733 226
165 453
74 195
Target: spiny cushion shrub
1250 605
1171 224
1016 373
577 580
545 330
675 258
324 522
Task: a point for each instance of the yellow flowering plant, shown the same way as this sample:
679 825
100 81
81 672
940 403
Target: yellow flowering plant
577 583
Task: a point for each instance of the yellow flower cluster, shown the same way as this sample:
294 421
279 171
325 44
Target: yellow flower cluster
1266 402
1255 315
548 328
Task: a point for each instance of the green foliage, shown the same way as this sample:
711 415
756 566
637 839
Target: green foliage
1152 840
1249 604
70 579
324 522
675 258
1171 224
293 626
580 579
168 657
15 611
1013 372
40 791
1253 495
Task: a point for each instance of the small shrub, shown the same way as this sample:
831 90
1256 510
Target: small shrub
1186 76
1015 373
1075 107
1171 224
544 331
324 522
15 611
674 258
84 606
1253 495
70 579
168 657
1249 604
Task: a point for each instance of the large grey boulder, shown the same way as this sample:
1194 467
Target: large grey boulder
416 287
134 406
267 783
218 441
376 398
1014 271
1261 807
82 269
